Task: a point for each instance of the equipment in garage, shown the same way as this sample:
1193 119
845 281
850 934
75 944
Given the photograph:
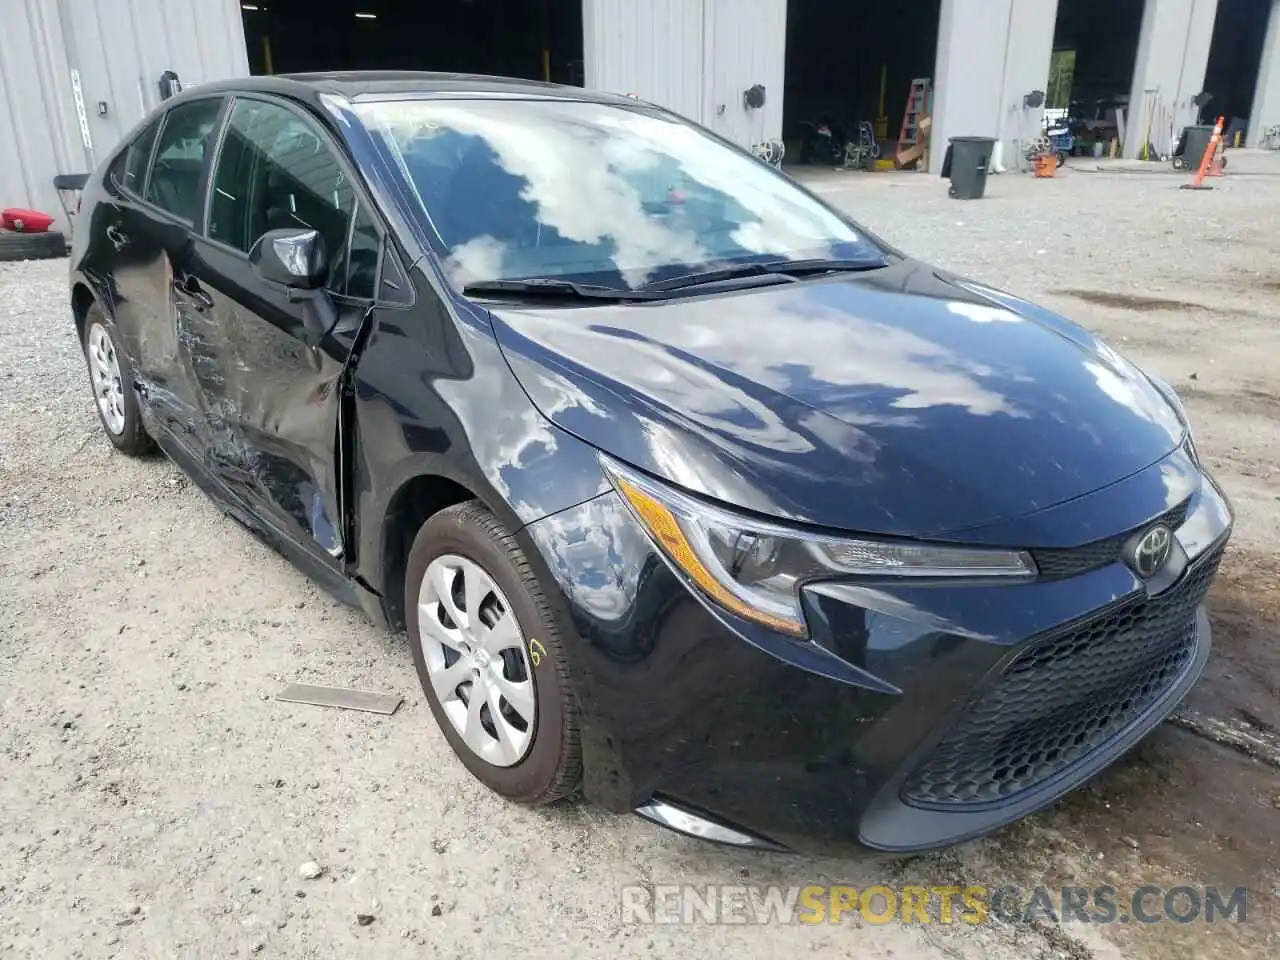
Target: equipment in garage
862 153
913 137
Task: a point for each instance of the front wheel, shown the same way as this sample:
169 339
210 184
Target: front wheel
490 656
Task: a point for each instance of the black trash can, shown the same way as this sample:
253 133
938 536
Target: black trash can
1195 141
970 157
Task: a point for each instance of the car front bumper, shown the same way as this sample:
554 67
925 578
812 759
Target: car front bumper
916 715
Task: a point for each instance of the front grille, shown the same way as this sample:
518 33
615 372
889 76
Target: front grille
1064 697
1055 564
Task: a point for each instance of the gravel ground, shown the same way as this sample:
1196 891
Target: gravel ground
155 802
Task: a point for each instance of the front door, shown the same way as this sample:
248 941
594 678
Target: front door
271 402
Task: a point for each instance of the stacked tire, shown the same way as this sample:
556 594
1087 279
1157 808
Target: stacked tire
32 246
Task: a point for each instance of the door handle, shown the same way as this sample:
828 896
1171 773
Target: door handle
116 236
189 287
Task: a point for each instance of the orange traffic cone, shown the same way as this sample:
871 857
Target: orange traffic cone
1216 166
1210 159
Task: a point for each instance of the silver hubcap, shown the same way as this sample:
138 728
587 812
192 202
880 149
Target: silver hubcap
104 368
476 659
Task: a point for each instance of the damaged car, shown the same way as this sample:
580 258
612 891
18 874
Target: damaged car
690 495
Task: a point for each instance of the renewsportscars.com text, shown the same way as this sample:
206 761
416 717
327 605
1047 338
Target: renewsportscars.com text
908 904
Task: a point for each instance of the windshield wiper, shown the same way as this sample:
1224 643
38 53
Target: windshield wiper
783 268
551 286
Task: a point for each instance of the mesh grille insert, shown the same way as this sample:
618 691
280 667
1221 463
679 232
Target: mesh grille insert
1064 697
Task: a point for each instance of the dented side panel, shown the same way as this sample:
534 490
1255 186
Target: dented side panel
268 403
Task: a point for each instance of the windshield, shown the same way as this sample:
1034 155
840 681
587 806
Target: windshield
599 193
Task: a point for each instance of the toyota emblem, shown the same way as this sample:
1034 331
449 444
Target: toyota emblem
1152 550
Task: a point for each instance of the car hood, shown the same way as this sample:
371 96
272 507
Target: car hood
902 402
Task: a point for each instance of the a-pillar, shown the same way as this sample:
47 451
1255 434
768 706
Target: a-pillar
1173 51
991 54
1266 96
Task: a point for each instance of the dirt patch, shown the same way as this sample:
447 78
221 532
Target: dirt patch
1180 809
1258 403
1242 679
1264 283
1177 810
1129 301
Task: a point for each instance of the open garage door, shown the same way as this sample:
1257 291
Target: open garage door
532 39
851 64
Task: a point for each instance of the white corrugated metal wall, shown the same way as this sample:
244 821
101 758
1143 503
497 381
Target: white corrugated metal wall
650 48
746 44
119 49
696 57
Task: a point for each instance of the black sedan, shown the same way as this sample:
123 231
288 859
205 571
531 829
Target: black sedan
690 494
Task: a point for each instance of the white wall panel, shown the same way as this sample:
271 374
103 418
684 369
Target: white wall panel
120 48
1030 47
38 128
696 57
1173 52
745 43
1266 96
650 48
969 78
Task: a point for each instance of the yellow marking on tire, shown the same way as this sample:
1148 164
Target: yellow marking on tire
536 651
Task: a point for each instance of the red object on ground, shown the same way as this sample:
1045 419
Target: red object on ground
25 221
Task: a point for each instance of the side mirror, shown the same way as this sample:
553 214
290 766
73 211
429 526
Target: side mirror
295 258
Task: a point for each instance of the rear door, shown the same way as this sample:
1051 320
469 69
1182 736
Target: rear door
270 402
118 252
158 199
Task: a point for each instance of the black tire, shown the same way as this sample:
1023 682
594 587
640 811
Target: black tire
132 440
32 246
551 770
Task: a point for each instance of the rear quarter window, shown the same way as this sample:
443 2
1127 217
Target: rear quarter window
130 170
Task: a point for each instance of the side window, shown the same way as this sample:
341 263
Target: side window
276 172
134 174
362 267
175 174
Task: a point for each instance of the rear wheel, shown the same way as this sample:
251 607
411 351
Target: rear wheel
490 657
112 381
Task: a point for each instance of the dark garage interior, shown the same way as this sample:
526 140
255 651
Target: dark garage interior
1236 54
535 39
839 55
845 63
1104 36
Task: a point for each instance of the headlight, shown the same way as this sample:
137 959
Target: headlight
754 569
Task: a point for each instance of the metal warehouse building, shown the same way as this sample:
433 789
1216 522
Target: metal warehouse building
77 74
